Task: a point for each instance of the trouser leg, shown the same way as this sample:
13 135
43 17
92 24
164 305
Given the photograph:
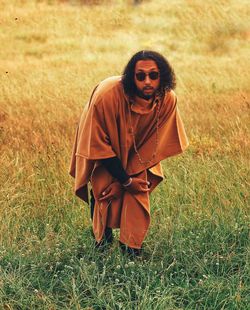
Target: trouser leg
92 204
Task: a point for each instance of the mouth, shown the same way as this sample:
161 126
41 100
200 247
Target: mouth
148 89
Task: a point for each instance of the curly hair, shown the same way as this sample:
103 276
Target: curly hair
167 75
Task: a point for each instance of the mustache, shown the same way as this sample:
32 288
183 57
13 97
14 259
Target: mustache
148 88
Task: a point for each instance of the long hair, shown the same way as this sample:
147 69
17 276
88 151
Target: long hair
167 75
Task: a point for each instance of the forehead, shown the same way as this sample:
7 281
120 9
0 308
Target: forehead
146 65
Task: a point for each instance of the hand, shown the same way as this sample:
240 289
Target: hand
113 191
137 186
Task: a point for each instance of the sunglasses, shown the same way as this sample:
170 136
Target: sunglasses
141 76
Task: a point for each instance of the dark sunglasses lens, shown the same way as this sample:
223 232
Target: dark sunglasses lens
140 76
154 75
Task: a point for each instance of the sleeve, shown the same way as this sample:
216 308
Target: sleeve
114 167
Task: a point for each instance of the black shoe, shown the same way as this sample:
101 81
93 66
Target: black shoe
108 235
132 252
107 239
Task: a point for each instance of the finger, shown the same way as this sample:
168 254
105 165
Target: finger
139 179
108 196
143 189
106 191
143 182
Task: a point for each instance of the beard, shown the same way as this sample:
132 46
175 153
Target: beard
142 95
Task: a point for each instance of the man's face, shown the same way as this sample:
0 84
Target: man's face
147 78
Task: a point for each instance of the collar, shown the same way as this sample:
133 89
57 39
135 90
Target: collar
143 106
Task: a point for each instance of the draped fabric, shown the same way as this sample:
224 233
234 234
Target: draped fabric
105 131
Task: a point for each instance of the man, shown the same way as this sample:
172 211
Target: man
130 124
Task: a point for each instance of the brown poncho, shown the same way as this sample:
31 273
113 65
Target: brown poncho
105 131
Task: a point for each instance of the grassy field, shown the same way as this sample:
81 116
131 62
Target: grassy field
197 251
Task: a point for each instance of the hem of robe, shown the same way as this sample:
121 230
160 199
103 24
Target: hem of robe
131 245
99 157
175 150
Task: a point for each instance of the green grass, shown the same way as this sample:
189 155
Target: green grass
196 255
196 266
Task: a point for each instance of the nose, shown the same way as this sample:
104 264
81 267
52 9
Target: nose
147 80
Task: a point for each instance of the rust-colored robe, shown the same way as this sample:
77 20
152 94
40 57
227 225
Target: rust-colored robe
105 131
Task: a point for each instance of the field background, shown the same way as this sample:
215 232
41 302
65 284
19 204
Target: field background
52 53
